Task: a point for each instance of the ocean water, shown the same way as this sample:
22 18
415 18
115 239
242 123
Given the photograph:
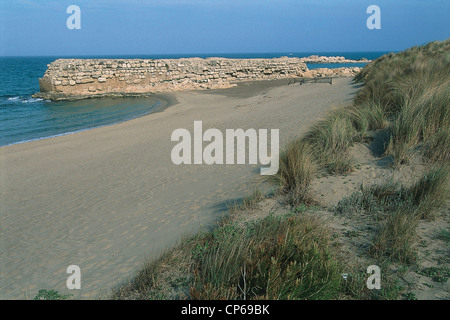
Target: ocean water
23 118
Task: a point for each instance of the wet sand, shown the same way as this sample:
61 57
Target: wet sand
106 199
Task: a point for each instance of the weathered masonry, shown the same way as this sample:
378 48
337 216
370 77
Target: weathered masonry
85 78
79 78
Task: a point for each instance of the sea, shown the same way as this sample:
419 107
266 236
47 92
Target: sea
24 118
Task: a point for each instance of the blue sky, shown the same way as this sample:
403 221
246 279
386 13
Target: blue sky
116 27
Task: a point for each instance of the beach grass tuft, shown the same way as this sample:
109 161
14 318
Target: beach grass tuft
274 258
398 210
297 169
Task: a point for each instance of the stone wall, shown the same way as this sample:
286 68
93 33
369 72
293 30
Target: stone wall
82 78
75 78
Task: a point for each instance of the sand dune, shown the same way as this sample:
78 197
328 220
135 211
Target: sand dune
107 198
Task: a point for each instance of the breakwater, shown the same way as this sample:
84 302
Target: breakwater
71 79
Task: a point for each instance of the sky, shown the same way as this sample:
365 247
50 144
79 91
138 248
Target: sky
121 27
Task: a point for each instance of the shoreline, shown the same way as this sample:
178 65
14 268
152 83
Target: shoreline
168 99
163 100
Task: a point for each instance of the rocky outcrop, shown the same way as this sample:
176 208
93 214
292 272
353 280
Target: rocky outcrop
337 59
68 79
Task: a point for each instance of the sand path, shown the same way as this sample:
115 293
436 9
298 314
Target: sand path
107 198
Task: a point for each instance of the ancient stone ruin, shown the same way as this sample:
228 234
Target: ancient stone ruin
82 78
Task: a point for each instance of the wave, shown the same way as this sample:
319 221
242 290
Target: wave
46 137
25 99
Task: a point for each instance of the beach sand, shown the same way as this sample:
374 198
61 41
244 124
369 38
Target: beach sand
108 198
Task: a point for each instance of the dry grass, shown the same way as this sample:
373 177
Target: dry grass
278 257
163 278
247 203
431 191
297 169
412 87
397 239
274 258
436 148
398 210
330 139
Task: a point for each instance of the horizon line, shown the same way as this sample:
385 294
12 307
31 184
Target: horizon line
212 54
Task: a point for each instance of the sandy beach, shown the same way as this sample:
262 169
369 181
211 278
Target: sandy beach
108 198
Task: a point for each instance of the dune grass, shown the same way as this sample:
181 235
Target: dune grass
274 258
431 191
330 139
407 93
277 257
398 209
164 278
396 238
376 200
412 87
325 148
297 169
427 194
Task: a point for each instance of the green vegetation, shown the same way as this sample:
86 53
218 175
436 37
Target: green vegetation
427 194
398 209
396 238
444 234
297 169
330 138
410 296
412 88
436 274
45 294
355 287
277 257
430 191
408 93
375 200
